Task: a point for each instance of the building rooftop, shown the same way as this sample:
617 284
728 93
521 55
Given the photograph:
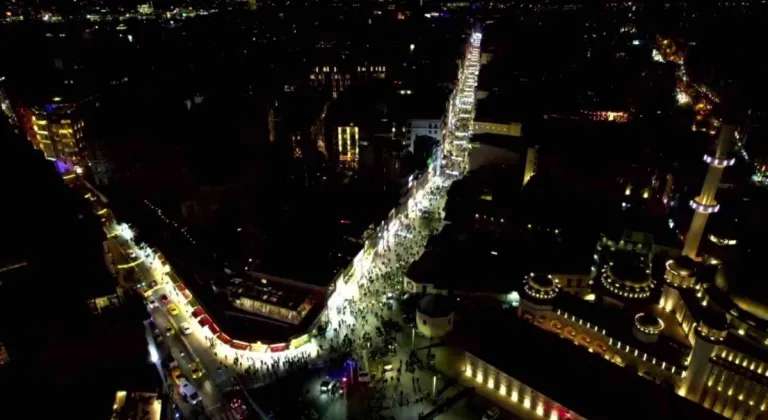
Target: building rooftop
516 144
436 305
484 262
671 347
581 381
271 293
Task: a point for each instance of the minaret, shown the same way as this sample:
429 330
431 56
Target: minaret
705 203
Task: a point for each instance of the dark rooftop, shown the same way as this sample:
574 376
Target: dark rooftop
485 262
581 381
618 325
517 144
436 305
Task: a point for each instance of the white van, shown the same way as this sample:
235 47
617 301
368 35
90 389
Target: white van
189 392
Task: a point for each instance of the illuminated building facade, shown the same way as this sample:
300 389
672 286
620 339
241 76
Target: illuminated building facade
338 78
347 141
612 116
434 315
59 136
58 132
545 377
531 164
425 127
506 129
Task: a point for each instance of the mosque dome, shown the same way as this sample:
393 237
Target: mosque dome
742 282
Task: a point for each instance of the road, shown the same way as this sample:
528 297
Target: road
184 349
216 360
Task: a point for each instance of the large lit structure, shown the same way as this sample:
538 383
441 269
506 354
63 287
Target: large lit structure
57 131
705 203
348 140
461 111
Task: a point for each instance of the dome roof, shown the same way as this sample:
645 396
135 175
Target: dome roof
685 266
629 273
739 280
436 306
649 321
542 282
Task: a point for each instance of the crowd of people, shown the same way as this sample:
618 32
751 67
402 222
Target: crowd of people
366 323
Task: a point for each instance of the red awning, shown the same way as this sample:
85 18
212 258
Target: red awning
197 312
239 345
204 321
214 329
225 339
186 295
181 287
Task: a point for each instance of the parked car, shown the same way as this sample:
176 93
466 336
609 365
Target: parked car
326 385
195 370
173 309
189 392
177 375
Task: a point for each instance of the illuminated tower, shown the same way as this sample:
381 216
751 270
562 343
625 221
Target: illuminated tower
348 141
705 203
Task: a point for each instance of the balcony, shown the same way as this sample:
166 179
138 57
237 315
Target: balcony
704 208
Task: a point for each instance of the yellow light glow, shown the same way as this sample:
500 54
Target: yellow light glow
468 371
132 264
553 415
102 211
70 176
527 402
540 409
515 395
